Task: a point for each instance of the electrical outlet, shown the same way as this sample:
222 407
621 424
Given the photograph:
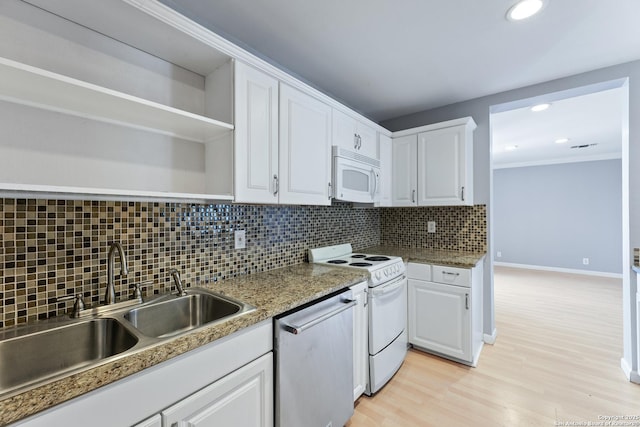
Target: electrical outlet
585 261
499 254
240 240
431 227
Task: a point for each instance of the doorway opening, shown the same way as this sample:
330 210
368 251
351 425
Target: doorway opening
559 185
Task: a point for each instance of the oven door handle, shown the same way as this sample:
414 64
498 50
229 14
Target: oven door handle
298 329
387 289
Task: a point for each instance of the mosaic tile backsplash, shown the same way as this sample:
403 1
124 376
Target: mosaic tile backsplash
54 248
458 228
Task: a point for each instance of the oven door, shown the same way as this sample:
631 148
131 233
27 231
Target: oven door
387 313
355 181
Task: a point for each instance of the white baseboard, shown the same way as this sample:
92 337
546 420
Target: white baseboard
631 375
559 269
490 338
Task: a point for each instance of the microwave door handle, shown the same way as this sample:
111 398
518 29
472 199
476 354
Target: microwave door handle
377 181
374 177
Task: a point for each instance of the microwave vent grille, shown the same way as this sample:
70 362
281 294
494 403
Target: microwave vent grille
341 152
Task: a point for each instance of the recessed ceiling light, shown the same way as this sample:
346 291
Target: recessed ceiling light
540 107
561 140
511 147
524 9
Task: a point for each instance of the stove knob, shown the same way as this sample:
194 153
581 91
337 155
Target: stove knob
378 275
386 273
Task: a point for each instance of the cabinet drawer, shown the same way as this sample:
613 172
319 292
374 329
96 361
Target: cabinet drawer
419 271
452 275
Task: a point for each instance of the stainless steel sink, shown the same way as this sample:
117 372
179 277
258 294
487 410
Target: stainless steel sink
174 315
32 355
41 355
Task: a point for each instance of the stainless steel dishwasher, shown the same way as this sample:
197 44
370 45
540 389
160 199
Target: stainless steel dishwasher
314 364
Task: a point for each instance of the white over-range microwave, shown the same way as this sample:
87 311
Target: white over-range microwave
356 178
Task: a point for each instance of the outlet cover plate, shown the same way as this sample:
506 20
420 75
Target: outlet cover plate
240 240
431 226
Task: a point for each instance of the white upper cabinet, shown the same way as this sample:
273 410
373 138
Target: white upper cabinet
256 136
404 171
352 135
445 167
385 154
442 155
305 149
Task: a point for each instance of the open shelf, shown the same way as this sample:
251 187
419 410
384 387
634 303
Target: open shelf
27 85
50 191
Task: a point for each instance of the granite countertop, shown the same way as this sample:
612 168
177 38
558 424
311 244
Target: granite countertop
430 256
272 293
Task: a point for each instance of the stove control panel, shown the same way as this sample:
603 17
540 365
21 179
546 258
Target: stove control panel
387 273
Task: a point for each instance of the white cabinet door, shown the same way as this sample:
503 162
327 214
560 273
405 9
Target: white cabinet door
155 421
242 398
256 136
440 319
305 149
404 171
352 135
344 131
441 167
445 167
360 340
386 170
368 141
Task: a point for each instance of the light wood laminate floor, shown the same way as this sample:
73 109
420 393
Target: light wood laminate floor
556 361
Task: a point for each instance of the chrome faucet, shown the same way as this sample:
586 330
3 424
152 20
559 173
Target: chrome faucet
176 278
110 294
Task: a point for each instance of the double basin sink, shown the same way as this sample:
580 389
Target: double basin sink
36 354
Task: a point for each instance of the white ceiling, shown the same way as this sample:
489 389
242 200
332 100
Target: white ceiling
588 119
388 58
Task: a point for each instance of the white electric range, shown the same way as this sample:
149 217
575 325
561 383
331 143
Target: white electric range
387 307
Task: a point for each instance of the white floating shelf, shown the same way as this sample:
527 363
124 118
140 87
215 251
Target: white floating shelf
24 84
83 193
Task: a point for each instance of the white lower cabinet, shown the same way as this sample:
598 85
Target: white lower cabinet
439 320
242 398
155 421
360 340
445 311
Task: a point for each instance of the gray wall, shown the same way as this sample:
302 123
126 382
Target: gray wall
480 109
556 215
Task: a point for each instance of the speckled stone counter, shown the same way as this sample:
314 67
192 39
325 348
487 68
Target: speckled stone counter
272 293
429 256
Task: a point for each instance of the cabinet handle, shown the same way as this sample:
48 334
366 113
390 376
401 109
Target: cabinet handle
466 301
276 185
359 142
330 195
450 273
355 141
413 196
462 193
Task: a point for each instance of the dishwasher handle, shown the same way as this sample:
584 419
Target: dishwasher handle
298 329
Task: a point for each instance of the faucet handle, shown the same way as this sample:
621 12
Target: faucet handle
78 305
137 289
